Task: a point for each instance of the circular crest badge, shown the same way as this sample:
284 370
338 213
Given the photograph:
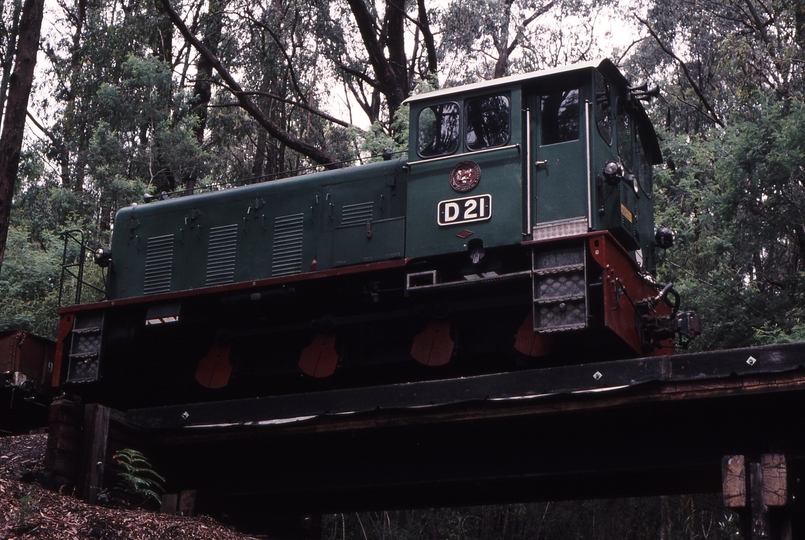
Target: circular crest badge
465 176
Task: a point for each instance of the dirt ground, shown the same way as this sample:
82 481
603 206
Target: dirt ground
30 511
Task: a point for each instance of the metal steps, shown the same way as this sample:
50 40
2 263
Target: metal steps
85 348
559 289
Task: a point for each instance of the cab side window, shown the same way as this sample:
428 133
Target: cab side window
488 122
603 108
644 166
625 148
560 117
438 130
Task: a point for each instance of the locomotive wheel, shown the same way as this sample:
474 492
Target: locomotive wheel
531 343
214 370
433 346
319 359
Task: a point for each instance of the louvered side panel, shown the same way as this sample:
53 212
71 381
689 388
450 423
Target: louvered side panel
158 263
287 254
354 214
221 255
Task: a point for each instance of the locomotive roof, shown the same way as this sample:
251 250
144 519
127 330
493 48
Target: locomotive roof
605 65
6 332
650 141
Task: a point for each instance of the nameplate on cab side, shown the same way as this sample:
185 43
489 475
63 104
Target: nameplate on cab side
465 210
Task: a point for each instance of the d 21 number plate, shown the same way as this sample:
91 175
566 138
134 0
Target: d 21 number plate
465 210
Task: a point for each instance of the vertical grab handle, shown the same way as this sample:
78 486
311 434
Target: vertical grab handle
588 107
528 224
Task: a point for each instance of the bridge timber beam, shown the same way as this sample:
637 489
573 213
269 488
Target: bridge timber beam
647 426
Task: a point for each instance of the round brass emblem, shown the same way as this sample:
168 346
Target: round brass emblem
465 176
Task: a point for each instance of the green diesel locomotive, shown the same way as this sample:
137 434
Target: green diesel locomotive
518 232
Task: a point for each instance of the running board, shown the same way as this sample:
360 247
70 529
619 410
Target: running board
430 280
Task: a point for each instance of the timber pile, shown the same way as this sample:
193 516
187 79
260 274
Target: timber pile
29 511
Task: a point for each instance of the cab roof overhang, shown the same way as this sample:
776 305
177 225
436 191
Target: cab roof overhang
605 66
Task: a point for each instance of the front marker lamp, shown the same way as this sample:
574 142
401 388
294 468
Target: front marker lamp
102 257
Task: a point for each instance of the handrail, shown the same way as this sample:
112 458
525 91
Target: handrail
463 155
76 236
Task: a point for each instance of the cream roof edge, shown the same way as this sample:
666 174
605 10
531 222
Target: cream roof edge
511 79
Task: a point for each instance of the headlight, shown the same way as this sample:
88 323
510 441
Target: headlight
102 257
612 172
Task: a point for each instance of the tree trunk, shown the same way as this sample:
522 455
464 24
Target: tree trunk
72 128
202 89
163 46
387 71
16 108
10 46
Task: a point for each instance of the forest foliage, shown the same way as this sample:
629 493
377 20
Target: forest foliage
158 96
142 97
677 517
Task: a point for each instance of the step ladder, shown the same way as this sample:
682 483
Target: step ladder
559 288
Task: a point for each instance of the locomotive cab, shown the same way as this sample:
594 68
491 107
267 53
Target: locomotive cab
524 157
544 177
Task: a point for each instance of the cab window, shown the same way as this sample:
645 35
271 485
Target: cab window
603 108
560 117
624 134
438 130
488 122
625 148
644 167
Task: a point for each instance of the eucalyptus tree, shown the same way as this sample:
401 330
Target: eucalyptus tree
9 33
282 63
396 49
403 45
492 38
732 187
16 105
718 56
736 201
264 32
112 122
114 94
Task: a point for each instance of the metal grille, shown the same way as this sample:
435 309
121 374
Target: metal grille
560 290
221 255
83 369
85 348
563 316
562 286
287 254
354 214
158 263
86 344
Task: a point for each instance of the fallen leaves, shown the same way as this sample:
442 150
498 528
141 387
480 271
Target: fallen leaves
31 512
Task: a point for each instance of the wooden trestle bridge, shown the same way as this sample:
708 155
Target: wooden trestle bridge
728 421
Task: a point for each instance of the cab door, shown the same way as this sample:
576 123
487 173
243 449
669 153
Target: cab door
559 162
559 165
